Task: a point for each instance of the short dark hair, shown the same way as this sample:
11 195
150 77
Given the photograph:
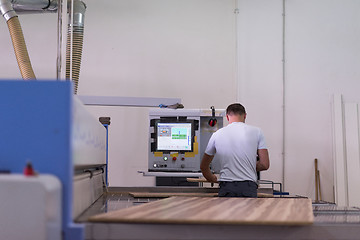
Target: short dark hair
235 109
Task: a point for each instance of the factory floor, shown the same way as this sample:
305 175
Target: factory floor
330 222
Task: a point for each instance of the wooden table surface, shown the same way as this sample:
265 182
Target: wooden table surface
170 194
184 194
214 210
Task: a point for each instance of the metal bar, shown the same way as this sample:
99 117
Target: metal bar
283 94
107 154
316 181
171 174
33 6
127 101
88 174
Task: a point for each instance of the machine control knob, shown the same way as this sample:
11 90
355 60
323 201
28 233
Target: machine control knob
155 165
182 159
174 158
182 165
165 158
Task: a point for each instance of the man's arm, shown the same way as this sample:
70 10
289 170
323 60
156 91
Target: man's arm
264 162
205 168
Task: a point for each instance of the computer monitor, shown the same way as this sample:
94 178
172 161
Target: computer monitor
174 136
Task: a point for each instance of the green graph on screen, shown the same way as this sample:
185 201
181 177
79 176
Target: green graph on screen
179 133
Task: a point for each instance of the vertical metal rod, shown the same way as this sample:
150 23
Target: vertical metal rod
319 186
61 42
59 35
237 77
283 94
71 35
107 155
316 181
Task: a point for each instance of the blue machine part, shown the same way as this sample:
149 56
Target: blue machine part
36 125
107 153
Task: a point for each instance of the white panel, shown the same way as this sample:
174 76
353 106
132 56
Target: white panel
30 207
88 137
86 191
352 153
340 180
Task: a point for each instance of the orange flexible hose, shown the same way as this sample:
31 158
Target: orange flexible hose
20 49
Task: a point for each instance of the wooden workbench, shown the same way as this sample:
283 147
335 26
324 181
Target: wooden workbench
214 210
183 194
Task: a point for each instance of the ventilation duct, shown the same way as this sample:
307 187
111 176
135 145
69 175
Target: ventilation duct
74 39
17 39
75 42
34 6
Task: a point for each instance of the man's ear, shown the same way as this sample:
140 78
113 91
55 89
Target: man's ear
227 117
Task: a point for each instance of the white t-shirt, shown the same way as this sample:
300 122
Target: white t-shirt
236 147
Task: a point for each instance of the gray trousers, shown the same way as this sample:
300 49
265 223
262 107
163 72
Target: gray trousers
238 189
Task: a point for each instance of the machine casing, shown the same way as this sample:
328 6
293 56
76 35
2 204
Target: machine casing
44 123
179 161
30 207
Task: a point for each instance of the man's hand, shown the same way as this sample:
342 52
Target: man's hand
213 178
264 162
205 168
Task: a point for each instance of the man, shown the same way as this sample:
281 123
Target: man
237 145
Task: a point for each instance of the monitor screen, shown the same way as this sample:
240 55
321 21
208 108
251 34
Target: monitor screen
174 136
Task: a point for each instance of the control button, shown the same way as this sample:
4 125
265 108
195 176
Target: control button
182 159
155 165
165 158
182 165
165 165
174 158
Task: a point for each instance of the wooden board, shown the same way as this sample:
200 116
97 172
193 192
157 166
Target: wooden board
352 153
170 194
340 177
196 180
210 210
188 194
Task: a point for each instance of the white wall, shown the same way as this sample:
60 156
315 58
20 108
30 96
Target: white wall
139 48
322 52
187 49
321 58
260 74
157 48
40 33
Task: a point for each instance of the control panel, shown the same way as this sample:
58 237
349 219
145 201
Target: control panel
178 139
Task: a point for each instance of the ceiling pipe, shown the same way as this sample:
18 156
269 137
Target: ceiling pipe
34 6
7 10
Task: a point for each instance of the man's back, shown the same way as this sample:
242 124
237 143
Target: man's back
236 146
